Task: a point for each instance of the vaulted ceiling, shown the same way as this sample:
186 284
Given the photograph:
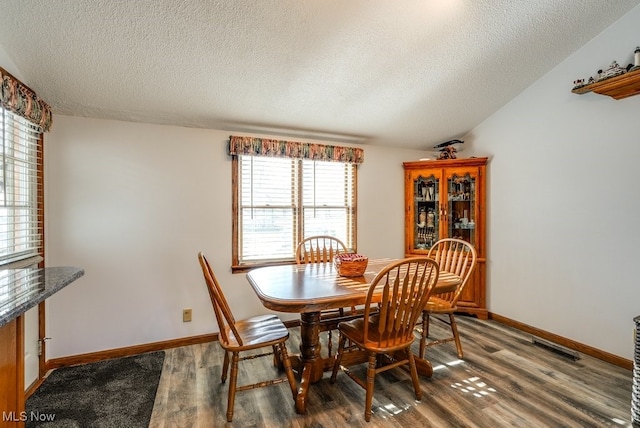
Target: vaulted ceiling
406 73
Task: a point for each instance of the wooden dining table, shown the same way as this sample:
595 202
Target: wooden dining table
308 289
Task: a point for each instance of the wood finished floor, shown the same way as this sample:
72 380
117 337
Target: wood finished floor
504 380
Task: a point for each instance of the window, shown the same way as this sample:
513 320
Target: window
23 119
20 188
281 199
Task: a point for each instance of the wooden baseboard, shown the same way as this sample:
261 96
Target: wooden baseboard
563 341
193 340
128 351
33 387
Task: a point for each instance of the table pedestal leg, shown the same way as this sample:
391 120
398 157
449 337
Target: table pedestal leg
312 364
423 366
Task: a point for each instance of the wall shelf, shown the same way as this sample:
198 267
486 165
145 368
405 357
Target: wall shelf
622 86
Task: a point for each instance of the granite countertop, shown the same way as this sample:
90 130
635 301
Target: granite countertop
22 289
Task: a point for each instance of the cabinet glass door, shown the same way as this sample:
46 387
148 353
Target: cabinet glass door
426 196
461 207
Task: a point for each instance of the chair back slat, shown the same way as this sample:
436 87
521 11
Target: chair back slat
396 298
454 256
319 249
224 316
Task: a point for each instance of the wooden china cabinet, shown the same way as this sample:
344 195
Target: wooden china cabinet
446 199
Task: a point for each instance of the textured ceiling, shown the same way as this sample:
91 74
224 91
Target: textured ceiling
404 73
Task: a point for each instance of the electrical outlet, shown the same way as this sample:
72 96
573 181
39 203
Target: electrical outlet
186 315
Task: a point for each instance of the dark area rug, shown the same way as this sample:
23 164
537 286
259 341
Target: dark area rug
113 393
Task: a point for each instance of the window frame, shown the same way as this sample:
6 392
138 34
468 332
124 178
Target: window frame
34 162
238 267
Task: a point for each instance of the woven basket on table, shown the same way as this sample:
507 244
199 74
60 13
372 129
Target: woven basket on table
350 264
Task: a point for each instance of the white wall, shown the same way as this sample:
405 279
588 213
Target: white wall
7 64
133 204
564 202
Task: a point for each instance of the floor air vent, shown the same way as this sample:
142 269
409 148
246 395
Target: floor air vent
635 389
554 347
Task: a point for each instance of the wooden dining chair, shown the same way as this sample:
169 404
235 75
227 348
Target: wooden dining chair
323 249
237 336
394 302
458 257
319 249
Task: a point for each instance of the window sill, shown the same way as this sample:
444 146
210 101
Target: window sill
247 268
22 263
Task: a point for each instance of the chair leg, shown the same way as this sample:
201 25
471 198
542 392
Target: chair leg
232 386
371 374
225 367
456 336
284 356
425 333
329 336
336 364
414 374
276 356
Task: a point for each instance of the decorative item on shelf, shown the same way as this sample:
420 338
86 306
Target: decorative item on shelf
350 264
448 152
422 218
431 219
460 189
636 61
449 149
601 76
423 189
616 82
431 191
455 143
422 234
613 71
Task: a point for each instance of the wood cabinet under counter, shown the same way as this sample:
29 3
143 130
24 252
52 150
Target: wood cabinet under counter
20 290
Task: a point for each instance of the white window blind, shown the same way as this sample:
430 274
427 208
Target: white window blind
283 200
20 188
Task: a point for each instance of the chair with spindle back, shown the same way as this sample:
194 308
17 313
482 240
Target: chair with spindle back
319 249
454 256
394 302
237 336
323 249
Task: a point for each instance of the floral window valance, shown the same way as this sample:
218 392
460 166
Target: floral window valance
18 98
292 149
